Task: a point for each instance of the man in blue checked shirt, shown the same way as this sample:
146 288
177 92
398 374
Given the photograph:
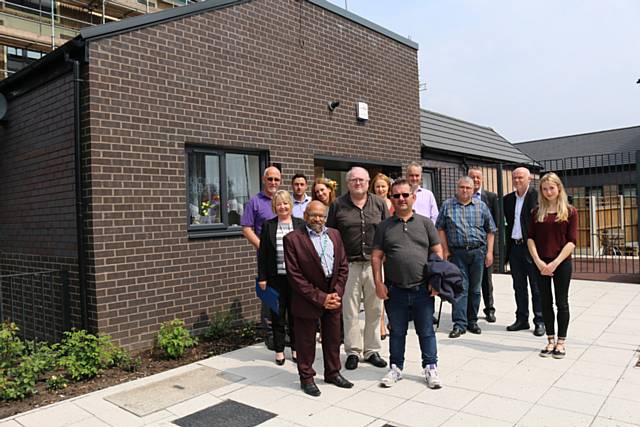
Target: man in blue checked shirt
466 231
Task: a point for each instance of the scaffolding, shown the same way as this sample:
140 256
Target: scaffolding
31 28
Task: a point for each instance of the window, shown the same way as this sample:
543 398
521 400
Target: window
219 184
37 7
18 58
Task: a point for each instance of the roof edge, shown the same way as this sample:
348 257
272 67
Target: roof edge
364 22
576 134
460 120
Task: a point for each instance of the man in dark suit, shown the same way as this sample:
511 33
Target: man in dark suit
317 269
517 211
491 200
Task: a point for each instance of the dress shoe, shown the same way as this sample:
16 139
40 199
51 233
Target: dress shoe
311 389
474 329
518 325
352 362
539 330
455 333
490 317
280 362
294 359
376 360
339 381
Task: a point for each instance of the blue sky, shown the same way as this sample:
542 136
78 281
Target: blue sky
528 69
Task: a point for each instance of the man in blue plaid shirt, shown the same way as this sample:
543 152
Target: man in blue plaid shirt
466 231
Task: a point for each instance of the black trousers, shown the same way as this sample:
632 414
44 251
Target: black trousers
284 318
487 290
561 279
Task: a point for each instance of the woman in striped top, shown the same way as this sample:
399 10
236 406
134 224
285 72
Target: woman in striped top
272 269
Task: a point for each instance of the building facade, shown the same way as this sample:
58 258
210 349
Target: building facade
112 143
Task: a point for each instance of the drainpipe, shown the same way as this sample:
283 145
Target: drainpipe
82 261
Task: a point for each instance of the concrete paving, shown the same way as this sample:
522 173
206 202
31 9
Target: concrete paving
492 379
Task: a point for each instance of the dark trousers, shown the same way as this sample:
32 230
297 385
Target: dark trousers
487 290
561 278
305 332
523 268
284 317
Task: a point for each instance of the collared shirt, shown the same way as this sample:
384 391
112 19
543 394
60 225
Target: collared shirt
357 226
465 225
478 194
299 207
406 246
516 233
256 212
425 204
324 247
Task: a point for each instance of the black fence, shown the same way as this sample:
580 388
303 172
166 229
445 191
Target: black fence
38 302
603 188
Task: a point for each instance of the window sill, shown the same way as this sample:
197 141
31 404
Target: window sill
201 234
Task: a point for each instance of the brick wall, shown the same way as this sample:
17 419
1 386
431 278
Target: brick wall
37 199
256 75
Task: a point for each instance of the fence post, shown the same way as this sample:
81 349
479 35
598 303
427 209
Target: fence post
593 226
66 301
500 225
638 203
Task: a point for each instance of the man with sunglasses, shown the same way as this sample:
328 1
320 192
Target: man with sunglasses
256 212
404 243
357 215
466 231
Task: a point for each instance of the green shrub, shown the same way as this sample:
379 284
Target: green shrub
173 339
84 355
57 382
21 363
220 326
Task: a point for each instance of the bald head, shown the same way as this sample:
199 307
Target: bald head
271 179
315 215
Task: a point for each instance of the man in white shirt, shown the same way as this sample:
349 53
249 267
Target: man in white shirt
517 211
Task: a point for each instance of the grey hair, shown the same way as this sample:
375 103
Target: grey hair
353 169
414 164
466 179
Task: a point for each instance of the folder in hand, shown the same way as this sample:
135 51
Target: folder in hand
270 296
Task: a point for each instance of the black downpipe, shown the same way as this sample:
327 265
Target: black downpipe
82 261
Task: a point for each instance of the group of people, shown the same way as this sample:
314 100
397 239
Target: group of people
329 256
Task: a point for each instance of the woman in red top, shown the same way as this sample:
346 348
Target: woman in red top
552 239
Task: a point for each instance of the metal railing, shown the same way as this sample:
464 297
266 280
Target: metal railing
38 302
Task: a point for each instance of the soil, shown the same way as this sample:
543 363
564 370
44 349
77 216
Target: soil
151 363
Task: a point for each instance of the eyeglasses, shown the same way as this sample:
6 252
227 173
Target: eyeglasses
358 180
315 215
273 179
398 195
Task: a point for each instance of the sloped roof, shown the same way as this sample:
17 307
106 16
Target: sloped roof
444 133
623 140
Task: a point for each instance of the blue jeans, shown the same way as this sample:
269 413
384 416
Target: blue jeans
420 304
523 268
471 265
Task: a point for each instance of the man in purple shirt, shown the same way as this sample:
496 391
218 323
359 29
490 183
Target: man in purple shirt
425 203
258 208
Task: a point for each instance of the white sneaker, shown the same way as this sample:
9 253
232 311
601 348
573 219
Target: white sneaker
393 376
433 380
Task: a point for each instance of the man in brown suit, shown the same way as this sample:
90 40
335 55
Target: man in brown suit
317 270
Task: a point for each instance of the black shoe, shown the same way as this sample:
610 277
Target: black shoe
339 381
539 330
351 363
294 359
490 317
280 362
518 325
455 333
376 360
311 389
474 329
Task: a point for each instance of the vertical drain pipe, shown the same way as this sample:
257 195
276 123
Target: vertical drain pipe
82 262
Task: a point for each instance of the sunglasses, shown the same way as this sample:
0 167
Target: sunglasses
398 195
273 179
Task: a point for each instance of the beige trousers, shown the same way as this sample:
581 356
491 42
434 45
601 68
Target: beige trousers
360 288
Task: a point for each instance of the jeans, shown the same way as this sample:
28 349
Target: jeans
471 265
399 305
561 278
523 268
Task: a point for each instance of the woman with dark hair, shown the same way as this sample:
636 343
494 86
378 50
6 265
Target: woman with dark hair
552 239
324 190
272 269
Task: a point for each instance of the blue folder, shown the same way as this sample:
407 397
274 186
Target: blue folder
270 296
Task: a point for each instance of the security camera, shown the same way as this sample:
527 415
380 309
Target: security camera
333 105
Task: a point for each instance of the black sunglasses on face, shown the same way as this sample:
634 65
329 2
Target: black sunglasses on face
398 195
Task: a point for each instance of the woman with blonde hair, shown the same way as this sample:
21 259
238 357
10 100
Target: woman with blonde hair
324 190
380 186
272 270
552 238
